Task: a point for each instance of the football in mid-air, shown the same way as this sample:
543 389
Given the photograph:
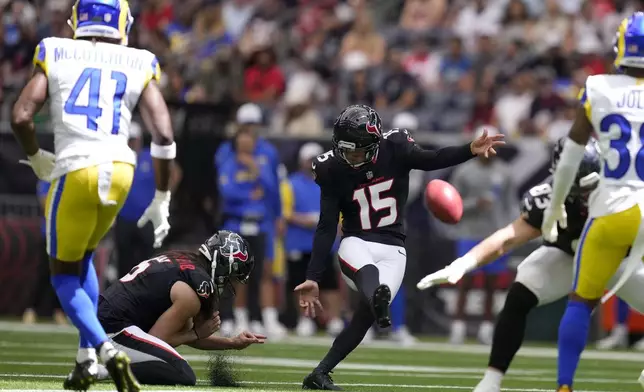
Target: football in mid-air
444 201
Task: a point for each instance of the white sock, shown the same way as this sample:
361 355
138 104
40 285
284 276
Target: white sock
493 376
86 354
107 351
241 316
270 316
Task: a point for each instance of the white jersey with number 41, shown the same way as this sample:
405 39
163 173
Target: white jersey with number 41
93 88
615 106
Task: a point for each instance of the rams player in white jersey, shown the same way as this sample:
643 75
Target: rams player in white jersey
613 109
93 83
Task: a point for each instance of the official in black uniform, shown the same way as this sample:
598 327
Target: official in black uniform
366 177
546 274
172 300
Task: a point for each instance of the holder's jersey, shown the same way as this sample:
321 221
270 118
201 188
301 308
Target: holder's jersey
533 206
143 295
93 88
615 107
372 197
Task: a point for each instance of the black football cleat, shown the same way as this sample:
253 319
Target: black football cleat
119 368
319 381
82 377
380 301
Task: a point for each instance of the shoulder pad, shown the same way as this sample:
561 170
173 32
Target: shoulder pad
534 202
41 54
399 135
321 166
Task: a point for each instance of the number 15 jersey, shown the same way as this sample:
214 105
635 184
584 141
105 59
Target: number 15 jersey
93 88
615 107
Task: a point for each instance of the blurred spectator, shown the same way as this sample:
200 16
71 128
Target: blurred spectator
399 90
477 15
423 64
486 56
43 298
19 38
299 117
236 15
179 31
301 209
587 31
210 34
483 111
358 90
55 21
455 67
157 14
562 122
547 102
364 38
513 106
517 24
263 81
489 199
422 15
134 244
551 28
263 29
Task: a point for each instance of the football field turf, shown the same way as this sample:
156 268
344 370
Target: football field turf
37 358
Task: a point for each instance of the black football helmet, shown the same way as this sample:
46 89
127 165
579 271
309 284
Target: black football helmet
230 258
589 168
357 129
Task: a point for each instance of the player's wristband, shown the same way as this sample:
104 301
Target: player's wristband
163 152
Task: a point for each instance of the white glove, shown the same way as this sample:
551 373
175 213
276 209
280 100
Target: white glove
450 274
42 163
157 213
551 216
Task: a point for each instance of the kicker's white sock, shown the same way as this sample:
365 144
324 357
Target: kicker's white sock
493 376
107 351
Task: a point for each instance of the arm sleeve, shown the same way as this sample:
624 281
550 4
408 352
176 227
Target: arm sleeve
421 159
154 73
325 234
268 180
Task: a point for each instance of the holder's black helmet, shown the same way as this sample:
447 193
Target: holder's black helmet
357 129
230 257
589 168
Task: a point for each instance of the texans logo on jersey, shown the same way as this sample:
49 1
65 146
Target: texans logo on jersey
205 289
232 248
372 125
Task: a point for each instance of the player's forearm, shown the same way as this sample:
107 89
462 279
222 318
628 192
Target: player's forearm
567 169
176 339
162 170
322 244
213 342
441 158
23 127
494 246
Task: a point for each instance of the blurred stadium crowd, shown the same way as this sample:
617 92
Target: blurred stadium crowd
450 66
454 65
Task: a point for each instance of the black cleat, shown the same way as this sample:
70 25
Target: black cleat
319 381
81 377
380 302
121 373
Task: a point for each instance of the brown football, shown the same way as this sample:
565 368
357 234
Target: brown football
444 201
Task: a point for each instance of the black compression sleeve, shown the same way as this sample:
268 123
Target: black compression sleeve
421 159
324 236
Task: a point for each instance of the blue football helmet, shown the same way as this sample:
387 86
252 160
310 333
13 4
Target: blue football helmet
101 18
629 42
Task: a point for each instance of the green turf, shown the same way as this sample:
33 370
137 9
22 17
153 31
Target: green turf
37 361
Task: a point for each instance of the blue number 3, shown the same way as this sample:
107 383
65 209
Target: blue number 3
92 111
620 145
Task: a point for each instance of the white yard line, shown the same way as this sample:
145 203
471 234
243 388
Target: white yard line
528 352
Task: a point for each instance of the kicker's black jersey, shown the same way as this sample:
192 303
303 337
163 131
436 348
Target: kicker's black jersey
533 206
372 197
143 295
